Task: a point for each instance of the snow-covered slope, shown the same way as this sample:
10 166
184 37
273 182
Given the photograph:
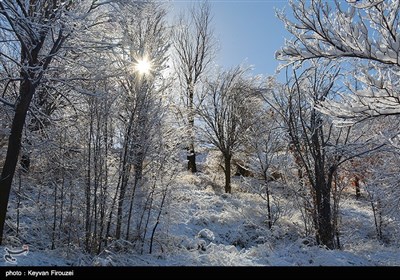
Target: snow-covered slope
202 226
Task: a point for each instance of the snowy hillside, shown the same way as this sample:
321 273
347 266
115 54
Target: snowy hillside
205 227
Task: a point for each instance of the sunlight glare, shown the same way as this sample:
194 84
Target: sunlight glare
143 66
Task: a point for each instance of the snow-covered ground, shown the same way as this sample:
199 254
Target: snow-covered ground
203 226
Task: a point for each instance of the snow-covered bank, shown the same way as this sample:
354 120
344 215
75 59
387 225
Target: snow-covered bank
204 227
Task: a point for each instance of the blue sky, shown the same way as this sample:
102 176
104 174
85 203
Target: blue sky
248 32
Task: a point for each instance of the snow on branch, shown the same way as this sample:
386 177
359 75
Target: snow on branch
5 102
364 4
363 36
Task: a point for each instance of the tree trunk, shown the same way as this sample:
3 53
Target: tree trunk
191 156
325 229
227 172
125 174
26 92
88 184
357 186
137 181
123 187
323 223
269 213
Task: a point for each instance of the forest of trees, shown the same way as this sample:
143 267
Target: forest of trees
104 103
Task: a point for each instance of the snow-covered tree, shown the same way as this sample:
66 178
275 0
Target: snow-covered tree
263 150
266 142
227 110
382 185
318 147
377 178
193 42
365 37
33 35
101 146
138 87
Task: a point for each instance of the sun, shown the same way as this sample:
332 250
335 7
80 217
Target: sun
143 66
